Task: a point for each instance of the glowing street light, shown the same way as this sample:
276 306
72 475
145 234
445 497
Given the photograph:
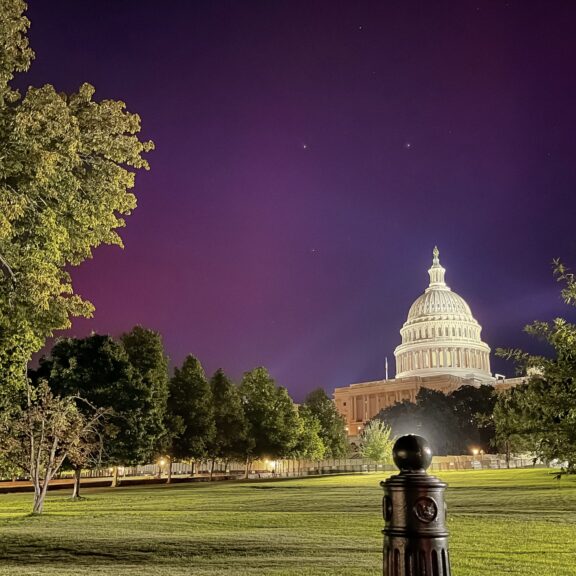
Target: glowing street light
161 464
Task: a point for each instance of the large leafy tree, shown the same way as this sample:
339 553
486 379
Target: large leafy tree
66 169
191 407
431 416
271 416
98 369
332 424
453 423
542 411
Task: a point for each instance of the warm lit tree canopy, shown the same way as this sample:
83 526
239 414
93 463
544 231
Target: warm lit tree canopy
332 424
271 416
66 169
377 441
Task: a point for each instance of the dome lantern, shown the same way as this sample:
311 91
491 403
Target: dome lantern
437 271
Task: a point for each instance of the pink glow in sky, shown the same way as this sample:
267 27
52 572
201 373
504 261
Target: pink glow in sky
310 154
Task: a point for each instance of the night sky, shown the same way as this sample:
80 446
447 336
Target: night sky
310 154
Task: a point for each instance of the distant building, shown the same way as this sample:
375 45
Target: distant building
441 349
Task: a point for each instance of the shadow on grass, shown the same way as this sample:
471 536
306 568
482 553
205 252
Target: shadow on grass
495 489
33 552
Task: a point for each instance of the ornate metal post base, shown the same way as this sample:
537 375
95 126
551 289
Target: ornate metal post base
415 534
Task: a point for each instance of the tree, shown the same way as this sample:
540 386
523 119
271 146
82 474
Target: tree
271 417
146 354
190 403
230 437
508 417
309 443
454 423
99 370
377 441
39 437
473 407
432 416
542 412
66 168
332 424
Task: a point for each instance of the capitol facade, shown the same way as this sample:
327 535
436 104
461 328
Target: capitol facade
441 349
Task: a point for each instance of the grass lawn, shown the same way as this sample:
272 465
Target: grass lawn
501 522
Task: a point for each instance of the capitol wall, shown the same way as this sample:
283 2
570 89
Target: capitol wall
359 403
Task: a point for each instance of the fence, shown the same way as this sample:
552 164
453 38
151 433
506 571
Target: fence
296 468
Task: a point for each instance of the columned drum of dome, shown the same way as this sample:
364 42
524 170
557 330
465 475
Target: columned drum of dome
441 336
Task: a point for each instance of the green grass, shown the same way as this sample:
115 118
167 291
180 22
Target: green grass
501 522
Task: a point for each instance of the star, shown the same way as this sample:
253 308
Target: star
408 145
305 146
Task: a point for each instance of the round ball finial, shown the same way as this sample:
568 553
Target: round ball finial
412 453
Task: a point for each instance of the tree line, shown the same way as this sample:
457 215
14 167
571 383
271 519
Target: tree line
98 401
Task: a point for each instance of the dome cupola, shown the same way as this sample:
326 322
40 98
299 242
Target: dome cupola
440 335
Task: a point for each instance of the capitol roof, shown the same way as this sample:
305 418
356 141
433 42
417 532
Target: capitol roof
438 299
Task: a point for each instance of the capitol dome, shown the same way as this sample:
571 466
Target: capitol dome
441 336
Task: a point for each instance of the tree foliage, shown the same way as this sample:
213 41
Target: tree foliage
270 414
145 351
541 414
230 437
66 169
332 424
309 442
40 436
453 423
99 370
15 53
377 441
190 404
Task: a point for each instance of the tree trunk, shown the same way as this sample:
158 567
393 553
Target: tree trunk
40 490
76 490
246 468
193 468
212 468
169 473
38 505
115 479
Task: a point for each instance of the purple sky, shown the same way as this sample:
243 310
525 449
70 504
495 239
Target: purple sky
310 154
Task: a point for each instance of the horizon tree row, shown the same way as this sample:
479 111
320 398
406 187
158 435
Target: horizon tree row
97 401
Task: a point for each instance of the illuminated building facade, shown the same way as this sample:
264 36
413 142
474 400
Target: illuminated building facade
441 349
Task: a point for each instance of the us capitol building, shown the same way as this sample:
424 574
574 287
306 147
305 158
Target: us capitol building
441 349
